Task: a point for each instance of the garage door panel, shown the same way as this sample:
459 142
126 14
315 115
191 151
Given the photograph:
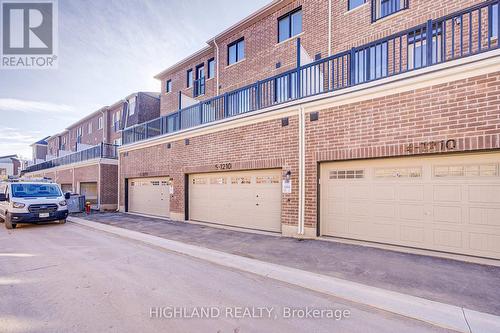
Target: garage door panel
448 238
412 212
446 193
382 192
412 192
249 199
484 193
383 210
484 216
440 202
412 234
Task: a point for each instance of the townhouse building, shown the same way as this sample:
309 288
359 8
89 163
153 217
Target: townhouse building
39 150
10 165
369 120
83 158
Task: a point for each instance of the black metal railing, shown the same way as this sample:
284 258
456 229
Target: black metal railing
103 150
461 34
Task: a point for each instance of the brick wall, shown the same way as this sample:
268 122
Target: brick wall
259 146
467 111
359 20
262 52
53 146
112 134
178 75
40 151
109 184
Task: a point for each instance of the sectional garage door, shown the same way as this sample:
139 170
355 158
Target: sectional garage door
248 199
446 203
150 196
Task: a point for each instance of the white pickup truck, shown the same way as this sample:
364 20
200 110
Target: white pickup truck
29 201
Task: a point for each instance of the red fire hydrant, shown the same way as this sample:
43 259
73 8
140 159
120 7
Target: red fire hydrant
87 207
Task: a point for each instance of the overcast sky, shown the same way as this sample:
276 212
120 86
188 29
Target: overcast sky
107 50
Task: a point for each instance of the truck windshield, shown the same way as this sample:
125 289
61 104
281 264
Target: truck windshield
35 190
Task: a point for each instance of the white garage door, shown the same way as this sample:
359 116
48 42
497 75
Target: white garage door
248 199
149 196
446 203
89 190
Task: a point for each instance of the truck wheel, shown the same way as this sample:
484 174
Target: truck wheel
8 222
62 221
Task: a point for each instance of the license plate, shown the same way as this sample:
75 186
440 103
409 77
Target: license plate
42 215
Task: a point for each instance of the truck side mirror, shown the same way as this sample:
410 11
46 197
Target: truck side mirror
3 197
67 195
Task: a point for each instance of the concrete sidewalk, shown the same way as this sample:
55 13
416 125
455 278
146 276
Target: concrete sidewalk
443 315
462 284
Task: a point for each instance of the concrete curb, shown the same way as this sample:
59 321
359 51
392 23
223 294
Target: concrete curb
439 314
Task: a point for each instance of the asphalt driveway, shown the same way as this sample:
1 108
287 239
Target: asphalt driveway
469 285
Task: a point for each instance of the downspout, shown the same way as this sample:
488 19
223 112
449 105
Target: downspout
104 127
329 28
99 182
217 67
119 187
301 181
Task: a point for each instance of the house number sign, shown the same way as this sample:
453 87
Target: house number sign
223 166
431 146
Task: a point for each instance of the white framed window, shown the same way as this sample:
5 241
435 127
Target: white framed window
117 142
79 131
90 128
131 106
347 174
99 123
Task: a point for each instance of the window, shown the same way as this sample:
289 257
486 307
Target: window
218 181
355 3
79 131
189 79
236 51
131 106
290 25
99 123
384 8
370 63
199 84
211 68
493 21
417 48
168 86
90 128
117 142
478 170
347 174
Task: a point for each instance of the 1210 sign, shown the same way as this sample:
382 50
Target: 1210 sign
431 146
224 166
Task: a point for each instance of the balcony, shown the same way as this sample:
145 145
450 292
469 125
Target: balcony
102 150
462 34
